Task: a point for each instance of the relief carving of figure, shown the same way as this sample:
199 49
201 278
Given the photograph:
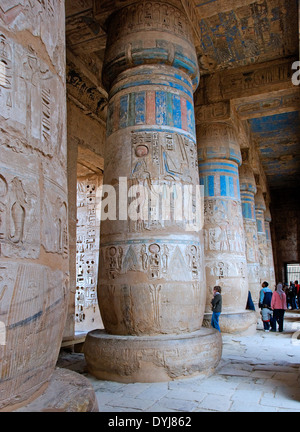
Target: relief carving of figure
193 260
113 261
17 211
154 261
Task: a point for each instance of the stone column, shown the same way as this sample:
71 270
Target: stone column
151 286
34 264
248 191
270 258
260 208
226 266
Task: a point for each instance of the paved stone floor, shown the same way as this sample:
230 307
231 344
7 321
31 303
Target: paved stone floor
258 373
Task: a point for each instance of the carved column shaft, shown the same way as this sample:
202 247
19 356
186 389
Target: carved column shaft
152 280
270 258
219 159
248 191
260 208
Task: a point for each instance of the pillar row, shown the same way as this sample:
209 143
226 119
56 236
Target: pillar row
270 258
248 191
260 208
151 286
225 258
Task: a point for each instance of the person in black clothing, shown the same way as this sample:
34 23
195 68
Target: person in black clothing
216 305
293 294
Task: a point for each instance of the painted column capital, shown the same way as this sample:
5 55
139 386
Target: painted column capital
218 140
259 200
247 179
149 33
268 217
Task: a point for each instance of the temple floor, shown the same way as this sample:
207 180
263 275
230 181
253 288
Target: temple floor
257 373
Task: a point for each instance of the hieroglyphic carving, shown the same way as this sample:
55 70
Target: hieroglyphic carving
6 74
113 260
287 102
8 15
154 259
55 236
151 16
226 234
246 82
3 206
193 256
87 250
155 297
167 156
48 6
157 260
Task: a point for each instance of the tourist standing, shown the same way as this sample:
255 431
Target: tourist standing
267 317
278 304
297 286
265 295
216 304
293 295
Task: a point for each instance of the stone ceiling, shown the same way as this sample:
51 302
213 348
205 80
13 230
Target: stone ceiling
231 36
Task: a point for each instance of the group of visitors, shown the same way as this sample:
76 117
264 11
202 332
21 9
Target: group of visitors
273 306
292 292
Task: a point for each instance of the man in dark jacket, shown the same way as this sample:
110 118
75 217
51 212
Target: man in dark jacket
265 295
216 304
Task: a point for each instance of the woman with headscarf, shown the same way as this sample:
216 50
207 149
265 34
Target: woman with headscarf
278 304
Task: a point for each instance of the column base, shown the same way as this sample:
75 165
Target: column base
129 359
243 323
67 391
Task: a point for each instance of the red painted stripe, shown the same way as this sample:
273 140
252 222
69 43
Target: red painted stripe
184 123
150 108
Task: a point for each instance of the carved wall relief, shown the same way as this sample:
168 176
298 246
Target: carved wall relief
33 195
223 229
155 296
55 221
19 213
173 261
29 91
87 314
6 74
168 156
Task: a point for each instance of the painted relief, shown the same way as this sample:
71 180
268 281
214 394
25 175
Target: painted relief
152 108
247 34
151 16
223 227
167 156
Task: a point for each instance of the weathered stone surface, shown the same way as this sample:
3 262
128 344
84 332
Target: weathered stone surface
225 259
151 274
152 358
260 208
248 190
235 323
67 391
34 238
